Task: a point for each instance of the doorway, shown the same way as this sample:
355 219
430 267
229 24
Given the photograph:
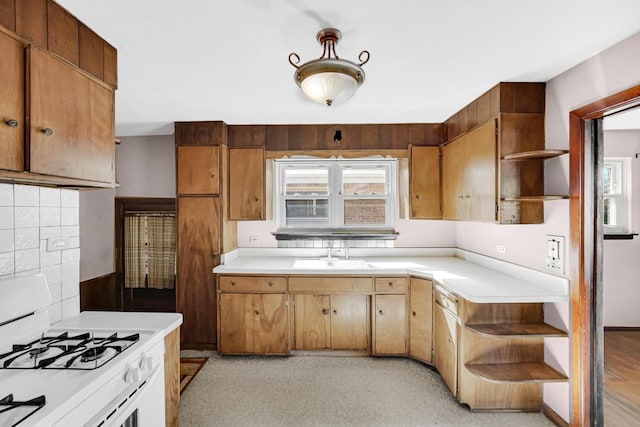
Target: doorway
586 254
146 254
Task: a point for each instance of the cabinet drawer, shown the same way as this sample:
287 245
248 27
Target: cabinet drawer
391 285
253 283
328 285
447 300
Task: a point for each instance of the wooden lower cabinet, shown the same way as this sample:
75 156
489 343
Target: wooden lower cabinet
420 319
445 337
253 323
390 325
172 378
336 322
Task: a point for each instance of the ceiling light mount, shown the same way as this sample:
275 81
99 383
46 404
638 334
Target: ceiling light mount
329 79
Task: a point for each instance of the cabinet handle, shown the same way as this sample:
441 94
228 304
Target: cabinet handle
417 197
233 283
325 311
413 313
270 284
257 199
335 311
12 123
47 131
391 284
257 313
380 312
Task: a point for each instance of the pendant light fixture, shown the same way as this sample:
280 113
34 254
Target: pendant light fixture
329 79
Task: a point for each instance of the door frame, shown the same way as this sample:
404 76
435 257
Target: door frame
587 346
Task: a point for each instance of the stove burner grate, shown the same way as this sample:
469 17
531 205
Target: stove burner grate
15 412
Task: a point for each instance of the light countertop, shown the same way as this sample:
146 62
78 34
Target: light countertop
112 320
470 280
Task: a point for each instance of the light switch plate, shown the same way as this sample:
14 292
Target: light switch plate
57 243
554 252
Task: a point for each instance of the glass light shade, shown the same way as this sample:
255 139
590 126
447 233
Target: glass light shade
329 87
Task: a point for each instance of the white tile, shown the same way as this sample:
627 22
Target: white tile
55 312
48 258
70 289
71 255
49 232
71 271
70 307
28 259
6 241
70 231
49 217
52 273
27 217
56 291
74 242
6 194
26 195
6 264
27 238
6 217
69 216
69 198
49 197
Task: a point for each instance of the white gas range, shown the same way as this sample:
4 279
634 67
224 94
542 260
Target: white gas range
97 369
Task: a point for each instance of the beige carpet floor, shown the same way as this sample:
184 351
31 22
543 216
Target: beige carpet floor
328 391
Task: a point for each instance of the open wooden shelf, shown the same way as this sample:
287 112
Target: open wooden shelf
527 372
516 330
536 154
533 198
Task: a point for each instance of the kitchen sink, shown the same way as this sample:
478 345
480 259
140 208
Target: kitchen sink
330 263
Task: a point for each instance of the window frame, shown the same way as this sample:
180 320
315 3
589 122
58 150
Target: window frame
335 197
622 199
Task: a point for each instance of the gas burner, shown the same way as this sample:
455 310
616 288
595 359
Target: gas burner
92 354
35 352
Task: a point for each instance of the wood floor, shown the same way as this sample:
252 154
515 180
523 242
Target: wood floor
622 378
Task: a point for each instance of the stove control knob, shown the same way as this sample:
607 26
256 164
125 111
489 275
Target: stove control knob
132 375
146 363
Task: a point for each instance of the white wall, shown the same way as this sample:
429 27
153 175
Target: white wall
621 293
29 216
145 168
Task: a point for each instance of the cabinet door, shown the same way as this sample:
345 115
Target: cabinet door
198 248
424 184
312 322
445 356
452 178
420 319
237 314
480 173
11 104
246 184
198 169
349 322
390 324
71 133
270 323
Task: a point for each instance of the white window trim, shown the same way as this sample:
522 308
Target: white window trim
335 197
623 199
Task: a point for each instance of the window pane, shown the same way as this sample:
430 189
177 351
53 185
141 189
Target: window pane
306 181
606 179
609 214
364 181
307 212
364 212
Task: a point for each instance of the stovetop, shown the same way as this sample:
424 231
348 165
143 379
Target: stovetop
13 412
67 350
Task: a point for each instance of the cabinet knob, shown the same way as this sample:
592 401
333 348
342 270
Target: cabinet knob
47 131
12 123
233 283
413 313
335 311
257 199
380 312
391 284
270 284
257 313
325 311
417 197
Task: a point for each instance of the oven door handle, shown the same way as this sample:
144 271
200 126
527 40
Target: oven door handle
117 411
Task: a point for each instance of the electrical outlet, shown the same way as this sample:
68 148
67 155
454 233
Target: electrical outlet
555 254
57 243
254 239
501 249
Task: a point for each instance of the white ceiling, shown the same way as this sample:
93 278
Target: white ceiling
227 60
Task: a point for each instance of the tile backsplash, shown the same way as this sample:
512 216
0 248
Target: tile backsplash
40 232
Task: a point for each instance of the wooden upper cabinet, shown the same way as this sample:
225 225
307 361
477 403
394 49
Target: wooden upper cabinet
424 184
91 52
31 20
72 128
198 169
246 184
12 104
63 33
469 171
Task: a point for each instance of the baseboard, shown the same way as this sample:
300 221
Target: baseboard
621 328
553 416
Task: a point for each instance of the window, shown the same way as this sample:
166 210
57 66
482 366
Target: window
616 195
339 194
